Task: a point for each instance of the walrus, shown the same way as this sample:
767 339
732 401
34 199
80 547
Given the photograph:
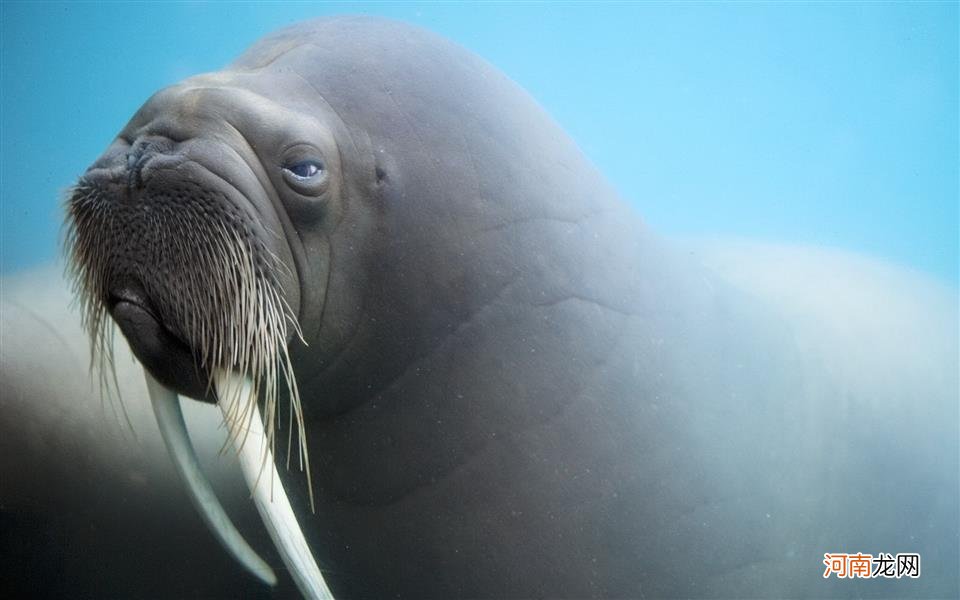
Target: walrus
486 376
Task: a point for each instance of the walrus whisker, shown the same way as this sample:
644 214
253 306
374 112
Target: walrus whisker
104 367
93 317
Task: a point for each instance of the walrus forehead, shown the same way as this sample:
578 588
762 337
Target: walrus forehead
266 112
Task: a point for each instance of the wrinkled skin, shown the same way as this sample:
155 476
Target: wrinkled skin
512 387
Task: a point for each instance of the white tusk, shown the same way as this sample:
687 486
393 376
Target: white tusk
242 416
166 407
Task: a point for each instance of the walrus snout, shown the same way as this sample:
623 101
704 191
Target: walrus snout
177 256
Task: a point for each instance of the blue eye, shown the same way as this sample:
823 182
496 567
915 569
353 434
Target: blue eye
305 173
306 169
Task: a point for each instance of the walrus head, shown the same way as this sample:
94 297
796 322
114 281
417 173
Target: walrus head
185 233
176 232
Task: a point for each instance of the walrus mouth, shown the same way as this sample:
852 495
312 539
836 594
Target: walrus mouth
161 351
185 275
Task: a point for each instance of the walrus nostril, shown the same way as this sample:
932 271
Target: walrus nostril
133 173
135 163
140 154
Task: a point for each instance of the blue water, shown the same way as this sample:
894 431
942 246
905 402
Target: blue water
820 123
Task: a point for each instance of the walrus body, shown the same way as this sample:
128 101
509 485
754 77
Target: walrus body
510 386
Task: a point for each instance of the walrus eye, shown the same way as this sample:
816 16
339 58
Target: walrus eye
305 169
306 176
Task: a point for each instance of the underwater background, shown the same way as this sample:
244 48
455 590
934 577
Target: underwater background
820 123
